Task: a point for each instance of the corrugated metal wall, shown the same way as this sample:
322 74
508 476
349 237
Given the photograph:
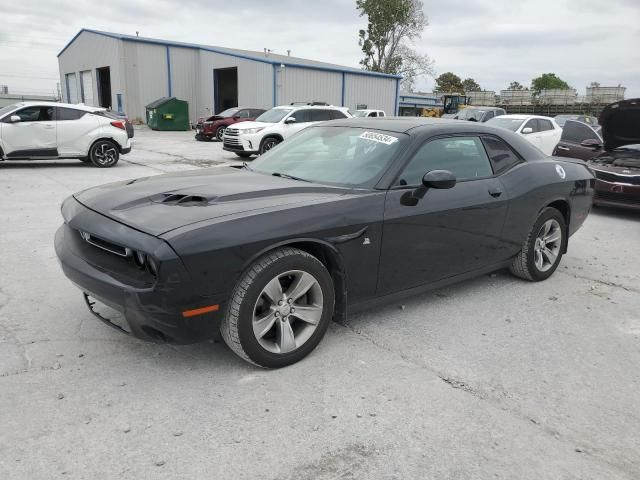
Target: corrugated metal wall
88 52
306 85
375 92
255 81
185 77
145 75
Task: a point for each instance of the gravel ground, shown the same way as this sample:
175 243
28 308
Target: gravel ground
491 378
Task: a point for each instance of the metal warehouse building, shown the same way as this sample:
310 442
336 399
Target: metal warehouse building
125 73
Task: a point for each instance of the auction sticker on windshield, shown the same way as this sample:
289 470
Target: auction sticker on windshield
379 137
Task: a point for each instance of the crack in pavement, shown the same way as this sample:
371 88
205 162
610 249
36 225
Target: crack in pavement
601 282
513 410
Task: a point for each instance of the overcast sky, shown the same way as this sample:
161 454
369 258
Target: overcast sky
493 41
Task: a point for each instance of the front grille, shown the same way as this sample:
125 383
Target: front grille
232 139
617 197
105 245
617 178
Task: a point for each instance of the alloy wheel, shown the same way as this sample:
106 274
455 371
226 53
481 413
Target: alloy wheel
105 154
288 311
268 145
220 133
547 245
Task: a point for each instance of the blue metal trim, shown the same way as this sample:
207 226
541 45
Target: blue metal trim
344 86
275 85
397 96
119 102
66 81
128 38
169 71
215 92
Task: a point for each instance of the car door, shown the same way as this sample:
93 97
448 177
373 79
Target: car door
303 120
448 232
33 136
534 135
549 135
578 140
75 131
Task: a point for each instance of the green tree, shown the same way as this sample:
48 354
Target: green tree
548 81
449 83
515 86
470 85
392 25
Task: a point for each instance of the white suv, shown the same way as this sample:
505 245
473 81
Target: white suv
276 125
49 130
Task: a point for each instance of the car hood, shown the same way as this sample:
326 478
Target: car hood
620 123
159 204
246 125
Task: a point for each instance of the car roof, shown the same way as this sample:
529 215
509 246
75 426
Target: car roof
77 106
300 107
396 124
484 107
516 116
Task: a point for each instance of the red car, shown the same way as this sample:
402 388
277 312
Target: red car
613 155
213 127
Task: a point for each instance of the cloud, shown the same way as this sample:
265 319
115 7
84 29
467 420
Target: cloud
494 42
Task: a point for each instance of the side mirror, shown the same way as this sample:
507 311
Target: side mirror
290 120
526 131
440 179
15 118
591 143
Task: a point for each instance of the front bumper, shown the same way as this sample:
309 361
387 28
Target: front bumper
242 143
152 307
617 195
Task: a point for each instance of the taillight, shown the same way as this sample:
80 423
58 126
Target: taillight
119 124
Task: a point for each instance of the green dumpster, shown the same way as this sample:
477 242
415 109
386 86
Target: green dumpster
168 113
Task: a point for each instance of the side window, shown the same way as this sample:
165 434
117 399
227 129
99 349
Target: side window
256 113
320 115
544 125
302 115
373 114
243 113
501 156
63 114
464 156
489 115
533 125
337 114
500 112
576 132
381 114
33 114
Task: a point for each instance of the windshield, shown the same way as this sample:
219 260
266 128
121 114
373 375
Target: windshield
230 112
509 123
354 157
360 113
7 109
274 115
471 114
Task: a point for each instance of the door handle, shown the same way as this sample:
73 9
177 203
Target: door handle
566 149
495 192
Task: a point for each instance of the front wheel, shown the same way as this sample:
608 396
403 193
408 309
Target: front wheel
280 309
267 144
104 154
543 248
220 133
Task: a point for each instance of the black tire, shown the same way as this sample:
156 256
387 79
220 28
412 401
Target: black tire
104 154
268 143
237 326
219 133
524 264
242 154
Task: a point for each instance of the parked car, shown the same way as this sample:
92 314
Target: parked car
543 132
588 119
275 126
369 113
614 156
214 126
49 130
479 114
270 253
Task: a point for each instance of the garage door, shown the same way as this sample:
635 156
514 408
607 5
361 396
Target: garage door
86 88
72 88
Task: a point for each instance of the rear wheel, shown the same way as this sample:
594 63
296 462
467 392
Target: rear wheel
104 154
267 144
280 309
543 248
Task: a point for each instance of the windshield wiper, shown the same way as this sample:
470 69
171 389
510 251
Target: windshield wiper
291 177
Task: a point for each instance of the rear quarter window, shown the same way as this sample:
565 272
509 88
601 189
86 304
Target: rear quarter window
68 114
502 157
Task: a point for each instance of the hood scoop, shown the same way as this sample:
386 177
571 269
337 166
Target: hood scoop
182 200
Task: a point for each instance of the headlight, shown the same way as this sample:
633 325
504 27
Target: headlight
249 131
144 261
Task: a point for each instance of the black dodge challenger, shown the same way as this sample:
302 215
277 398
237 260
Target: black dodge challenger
341 216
